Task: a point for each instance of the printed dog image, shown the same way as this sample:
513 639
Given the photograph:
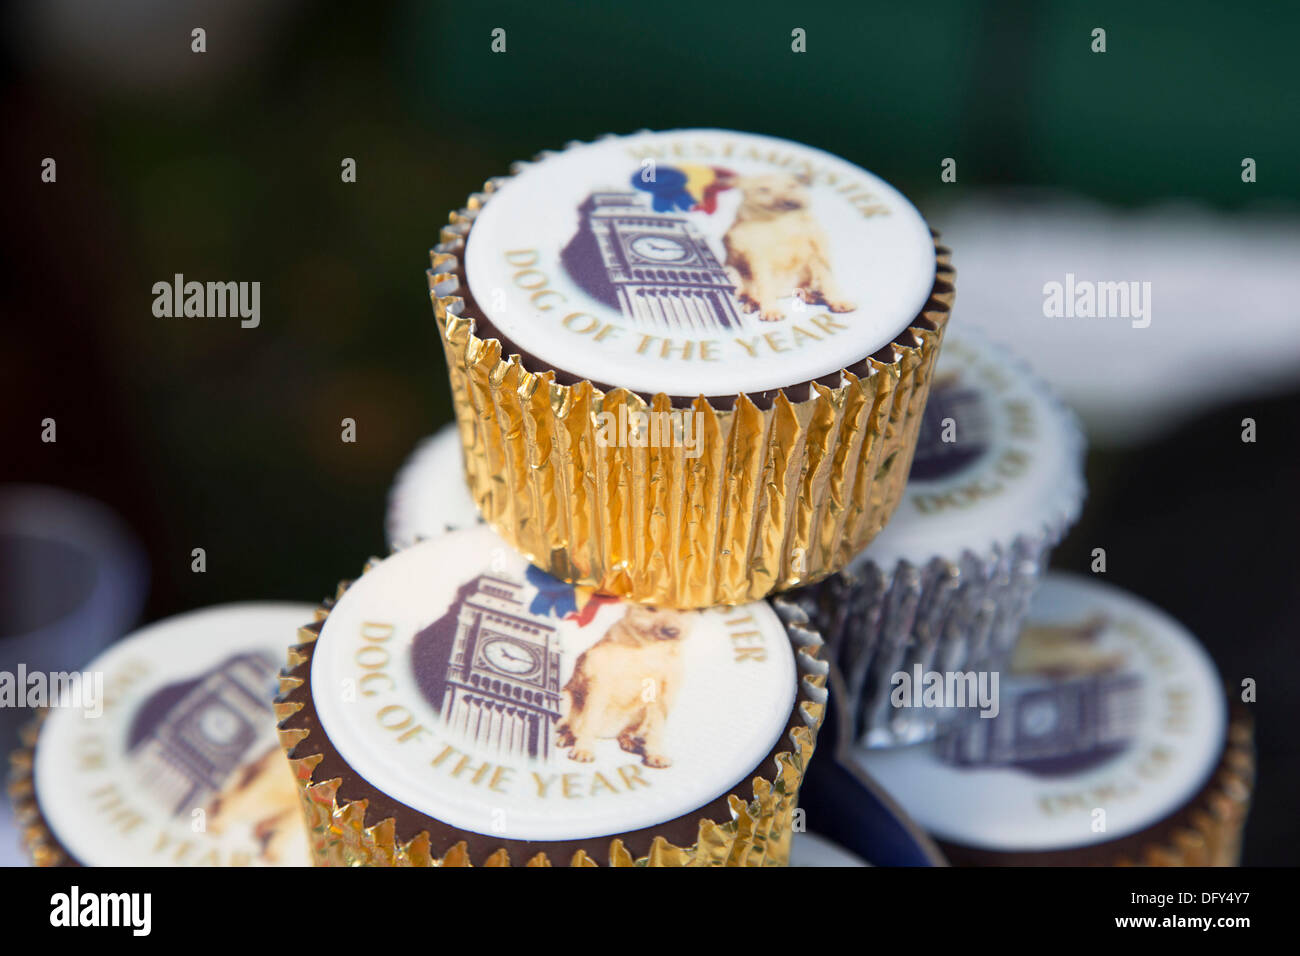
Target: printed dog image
1065 651
262 794
623 686
775 248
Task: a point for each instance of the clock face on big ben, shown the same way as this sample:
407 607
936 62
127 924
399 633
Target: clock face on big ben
660 248
213 727
511 657
220 725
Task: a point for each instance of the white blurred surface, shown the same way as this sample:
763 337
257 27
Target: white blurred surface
1225 324
809 849
11 853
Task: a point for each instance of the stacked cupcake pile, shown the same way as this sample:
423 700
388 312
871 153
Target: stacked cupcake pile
689 370
692 373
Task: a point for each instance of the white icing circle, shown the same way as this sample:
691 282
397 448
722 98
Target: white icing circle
429 496
572 262
809 849
998 456
1167 755
179 795
497 663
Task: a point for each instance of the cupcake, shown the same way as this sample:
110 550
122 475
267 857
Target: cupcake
429 496
689 366
1110 743
164 751
458 706
996 480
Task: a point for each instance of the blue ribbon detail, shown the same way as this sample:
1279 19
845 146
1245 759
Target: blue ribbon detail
553 595
668 189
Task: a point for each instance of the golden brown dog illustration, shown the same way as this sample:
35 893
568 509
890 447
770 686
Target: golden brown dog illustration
1065 650
261 795
775 248
623 686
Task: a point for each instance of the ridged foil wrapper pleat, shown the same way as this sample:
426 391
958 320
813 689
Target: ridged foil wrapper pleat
43 849
779 497
945 615
960 611
759 833
1208 832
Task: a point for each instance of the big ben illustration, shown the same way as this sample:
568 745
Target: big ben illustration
187 738
653 267
951 399
1071 705
492 669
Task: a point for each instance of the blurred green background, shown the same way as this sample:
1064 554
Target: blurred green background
226 165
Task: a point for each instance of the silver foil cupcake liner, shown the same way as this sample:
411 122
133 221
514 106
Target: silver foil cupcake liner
943 616
939 598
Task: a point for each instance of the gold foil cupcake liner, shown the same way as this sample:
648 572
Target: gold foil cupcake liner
34 831
758 834
1208 831
780 496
